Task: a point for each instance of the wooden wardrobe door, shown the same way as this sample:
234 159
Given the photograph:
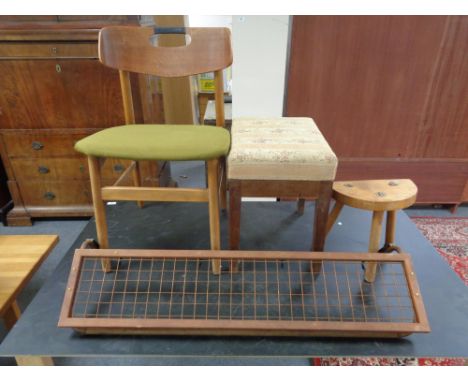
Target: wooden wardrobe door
389 93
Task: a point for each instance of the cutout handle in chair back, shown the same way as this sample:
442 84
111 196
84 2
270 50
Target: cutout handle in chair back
130 49
170 30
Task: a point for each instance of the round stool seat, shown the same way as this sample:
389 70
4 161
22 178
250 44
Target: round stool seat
376 195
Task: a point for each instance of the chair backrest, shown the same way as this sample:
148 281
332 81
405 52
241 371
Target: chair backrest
131 49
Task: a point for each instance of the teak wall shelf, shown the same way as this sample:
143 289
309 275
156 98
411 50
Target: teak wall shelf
273 293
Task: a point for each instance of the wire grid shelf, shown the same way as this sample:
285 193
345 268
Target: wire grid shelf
279 291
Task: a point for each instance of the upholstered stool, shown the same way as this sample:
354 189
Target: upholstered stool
377 196
280 157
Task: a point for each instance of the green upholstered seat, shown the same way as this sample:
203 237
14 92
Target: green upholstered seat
157 142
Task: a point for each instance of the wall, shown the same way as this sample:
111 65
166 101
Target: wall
211 21
260 49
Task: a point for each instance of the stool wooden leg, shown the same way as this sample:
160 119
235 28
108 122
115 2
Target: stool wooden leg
374 243
11 315
213 206
137 180
223 186
99 207
235 204
333 216
300 206
322 205
390 227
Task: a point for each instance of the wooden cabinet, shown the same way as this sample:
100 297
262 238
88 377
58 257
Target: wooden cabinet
390 94
55 92
5 199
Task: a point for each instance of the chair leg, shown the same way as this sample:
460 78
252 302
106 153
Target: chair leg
374 243
235 199
99 207
137 180
333 216
300 206
390 227
223 186
322 205
213 205
234 214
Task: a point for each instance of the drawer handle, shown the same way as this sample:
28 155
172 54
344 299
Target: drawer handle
119 168
49 195
58 68
53 50
37 145
43 170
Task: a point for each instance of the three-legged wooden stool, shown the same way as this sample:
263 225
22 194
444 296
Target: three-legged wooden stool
377 196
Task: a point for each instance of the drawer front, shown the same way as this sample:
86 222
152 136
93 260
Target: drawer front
64 169
43 145
59 94
50 50
43 193
55 193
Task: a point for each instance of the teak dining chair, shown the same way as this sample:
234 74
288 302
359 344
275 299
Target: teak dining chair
131 49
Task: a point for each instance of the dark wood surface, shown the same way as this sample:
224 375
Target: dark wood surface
55 92
64 93
235 205
390 94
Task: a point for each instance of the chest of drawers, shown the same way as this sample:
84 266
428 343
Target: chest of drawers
55 92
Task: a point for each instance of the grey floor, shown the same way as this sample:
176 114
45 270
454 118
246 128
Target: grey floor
186 174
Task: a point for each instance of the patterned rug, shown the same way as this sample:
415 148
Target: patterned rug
450 237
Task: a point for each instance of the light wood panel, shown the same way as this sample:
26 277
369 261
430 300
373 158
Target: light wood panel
20 256
34 361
